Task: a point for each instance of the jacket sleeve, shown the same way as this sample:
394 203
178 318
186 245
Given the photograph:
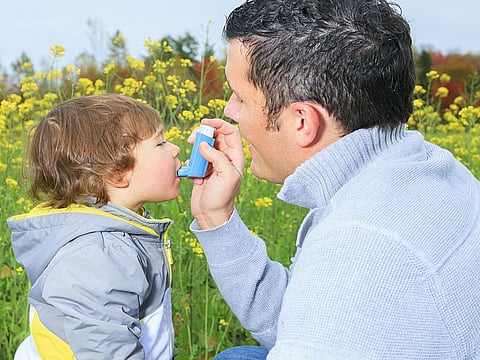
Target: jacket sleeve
251 284
99 290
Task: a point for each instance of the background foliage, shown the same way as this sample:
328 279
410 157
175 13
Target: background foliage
185 86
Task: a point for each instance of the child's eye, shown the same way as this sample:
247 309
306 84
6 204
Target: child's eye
163 142
239 100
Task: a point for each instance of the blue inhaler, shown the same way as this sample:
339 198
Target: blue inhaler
197 166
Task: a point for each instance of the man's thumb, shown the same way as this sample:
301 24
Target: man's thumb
207 151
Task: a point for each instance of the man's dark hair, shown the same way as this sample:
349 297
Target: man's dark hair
353 57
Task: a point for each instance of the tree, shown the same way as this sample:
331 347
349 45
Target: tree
423 66
88 67
23 66
186 46
97 38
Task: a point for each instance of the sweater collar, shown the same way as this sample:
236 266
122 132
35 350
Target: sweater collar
314 182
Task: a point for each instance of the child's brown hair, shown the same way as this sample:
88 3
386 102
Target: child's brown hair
83 141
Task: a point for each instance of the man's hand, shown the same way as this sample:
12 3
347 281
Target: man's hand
213 197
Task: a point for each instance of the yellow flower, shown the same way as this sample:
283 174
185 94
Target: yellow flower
11 182
450 117
223 322
119 40
99 86
189 85
186 115
418 103
201 112
109 68
151 45
50 97
166 48
171 101
173 80
263 202
85 86
458 100
454 108
147 42
180 91
40 75
136 64
442 92
150 79
29 86
469 115
195 246
186 63
27 65
419 90
174 134
433 75
57 50
25 108
160 67
14 98
445 78
54 74
217 104
131 86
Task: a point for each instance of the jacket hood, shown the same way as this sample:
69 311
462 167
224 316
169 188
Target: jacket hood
38 235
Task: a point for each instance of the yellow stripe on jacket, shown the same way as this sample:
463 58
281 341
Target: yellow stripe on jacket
49 346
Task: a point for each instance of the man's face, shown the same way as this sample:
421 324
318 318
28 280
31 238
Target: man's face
269 148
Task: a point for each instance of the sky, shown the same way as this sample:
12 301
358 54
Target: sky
33 26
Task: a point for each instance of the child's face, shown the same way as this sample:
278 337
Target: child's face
154 176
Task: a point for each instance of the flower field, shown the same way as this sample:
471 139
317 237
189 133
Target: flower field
183 92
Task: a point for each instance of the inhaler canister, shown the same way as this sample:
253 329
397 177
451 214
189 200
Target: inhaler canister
197 166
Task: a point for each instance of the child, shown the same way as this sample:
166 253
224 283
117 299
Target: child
99 265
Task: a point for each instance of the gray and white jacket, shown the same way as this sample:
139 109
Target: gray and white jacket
101 283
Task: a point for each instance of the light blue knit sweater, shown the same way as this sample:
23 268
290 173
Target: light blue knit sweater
388 259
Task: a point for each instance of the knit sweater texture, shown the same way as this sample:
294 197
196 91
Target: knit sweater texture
387 263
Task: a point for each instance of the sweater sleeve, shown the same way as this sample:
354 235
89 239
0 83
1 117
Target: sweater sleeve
99 290
252 284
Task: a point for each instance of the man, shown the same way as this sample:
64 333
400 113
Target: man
388 258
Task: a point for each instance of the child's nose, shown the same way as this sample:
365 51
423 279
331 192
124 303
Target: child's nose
175 150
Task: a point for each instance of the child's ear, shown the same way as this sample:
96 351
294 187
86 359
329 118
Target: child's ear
119 180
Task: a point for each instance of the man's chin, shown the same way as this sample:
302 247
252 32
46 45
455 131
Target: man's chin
263 175
255 171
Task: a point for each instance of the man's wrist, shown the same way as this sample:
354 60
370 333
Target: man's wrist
213 219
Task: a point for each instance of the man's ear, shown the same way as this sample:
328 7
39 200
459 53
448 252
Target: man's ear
309 123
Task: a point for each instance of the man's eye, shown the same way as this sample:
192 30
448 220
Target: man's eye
161 143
